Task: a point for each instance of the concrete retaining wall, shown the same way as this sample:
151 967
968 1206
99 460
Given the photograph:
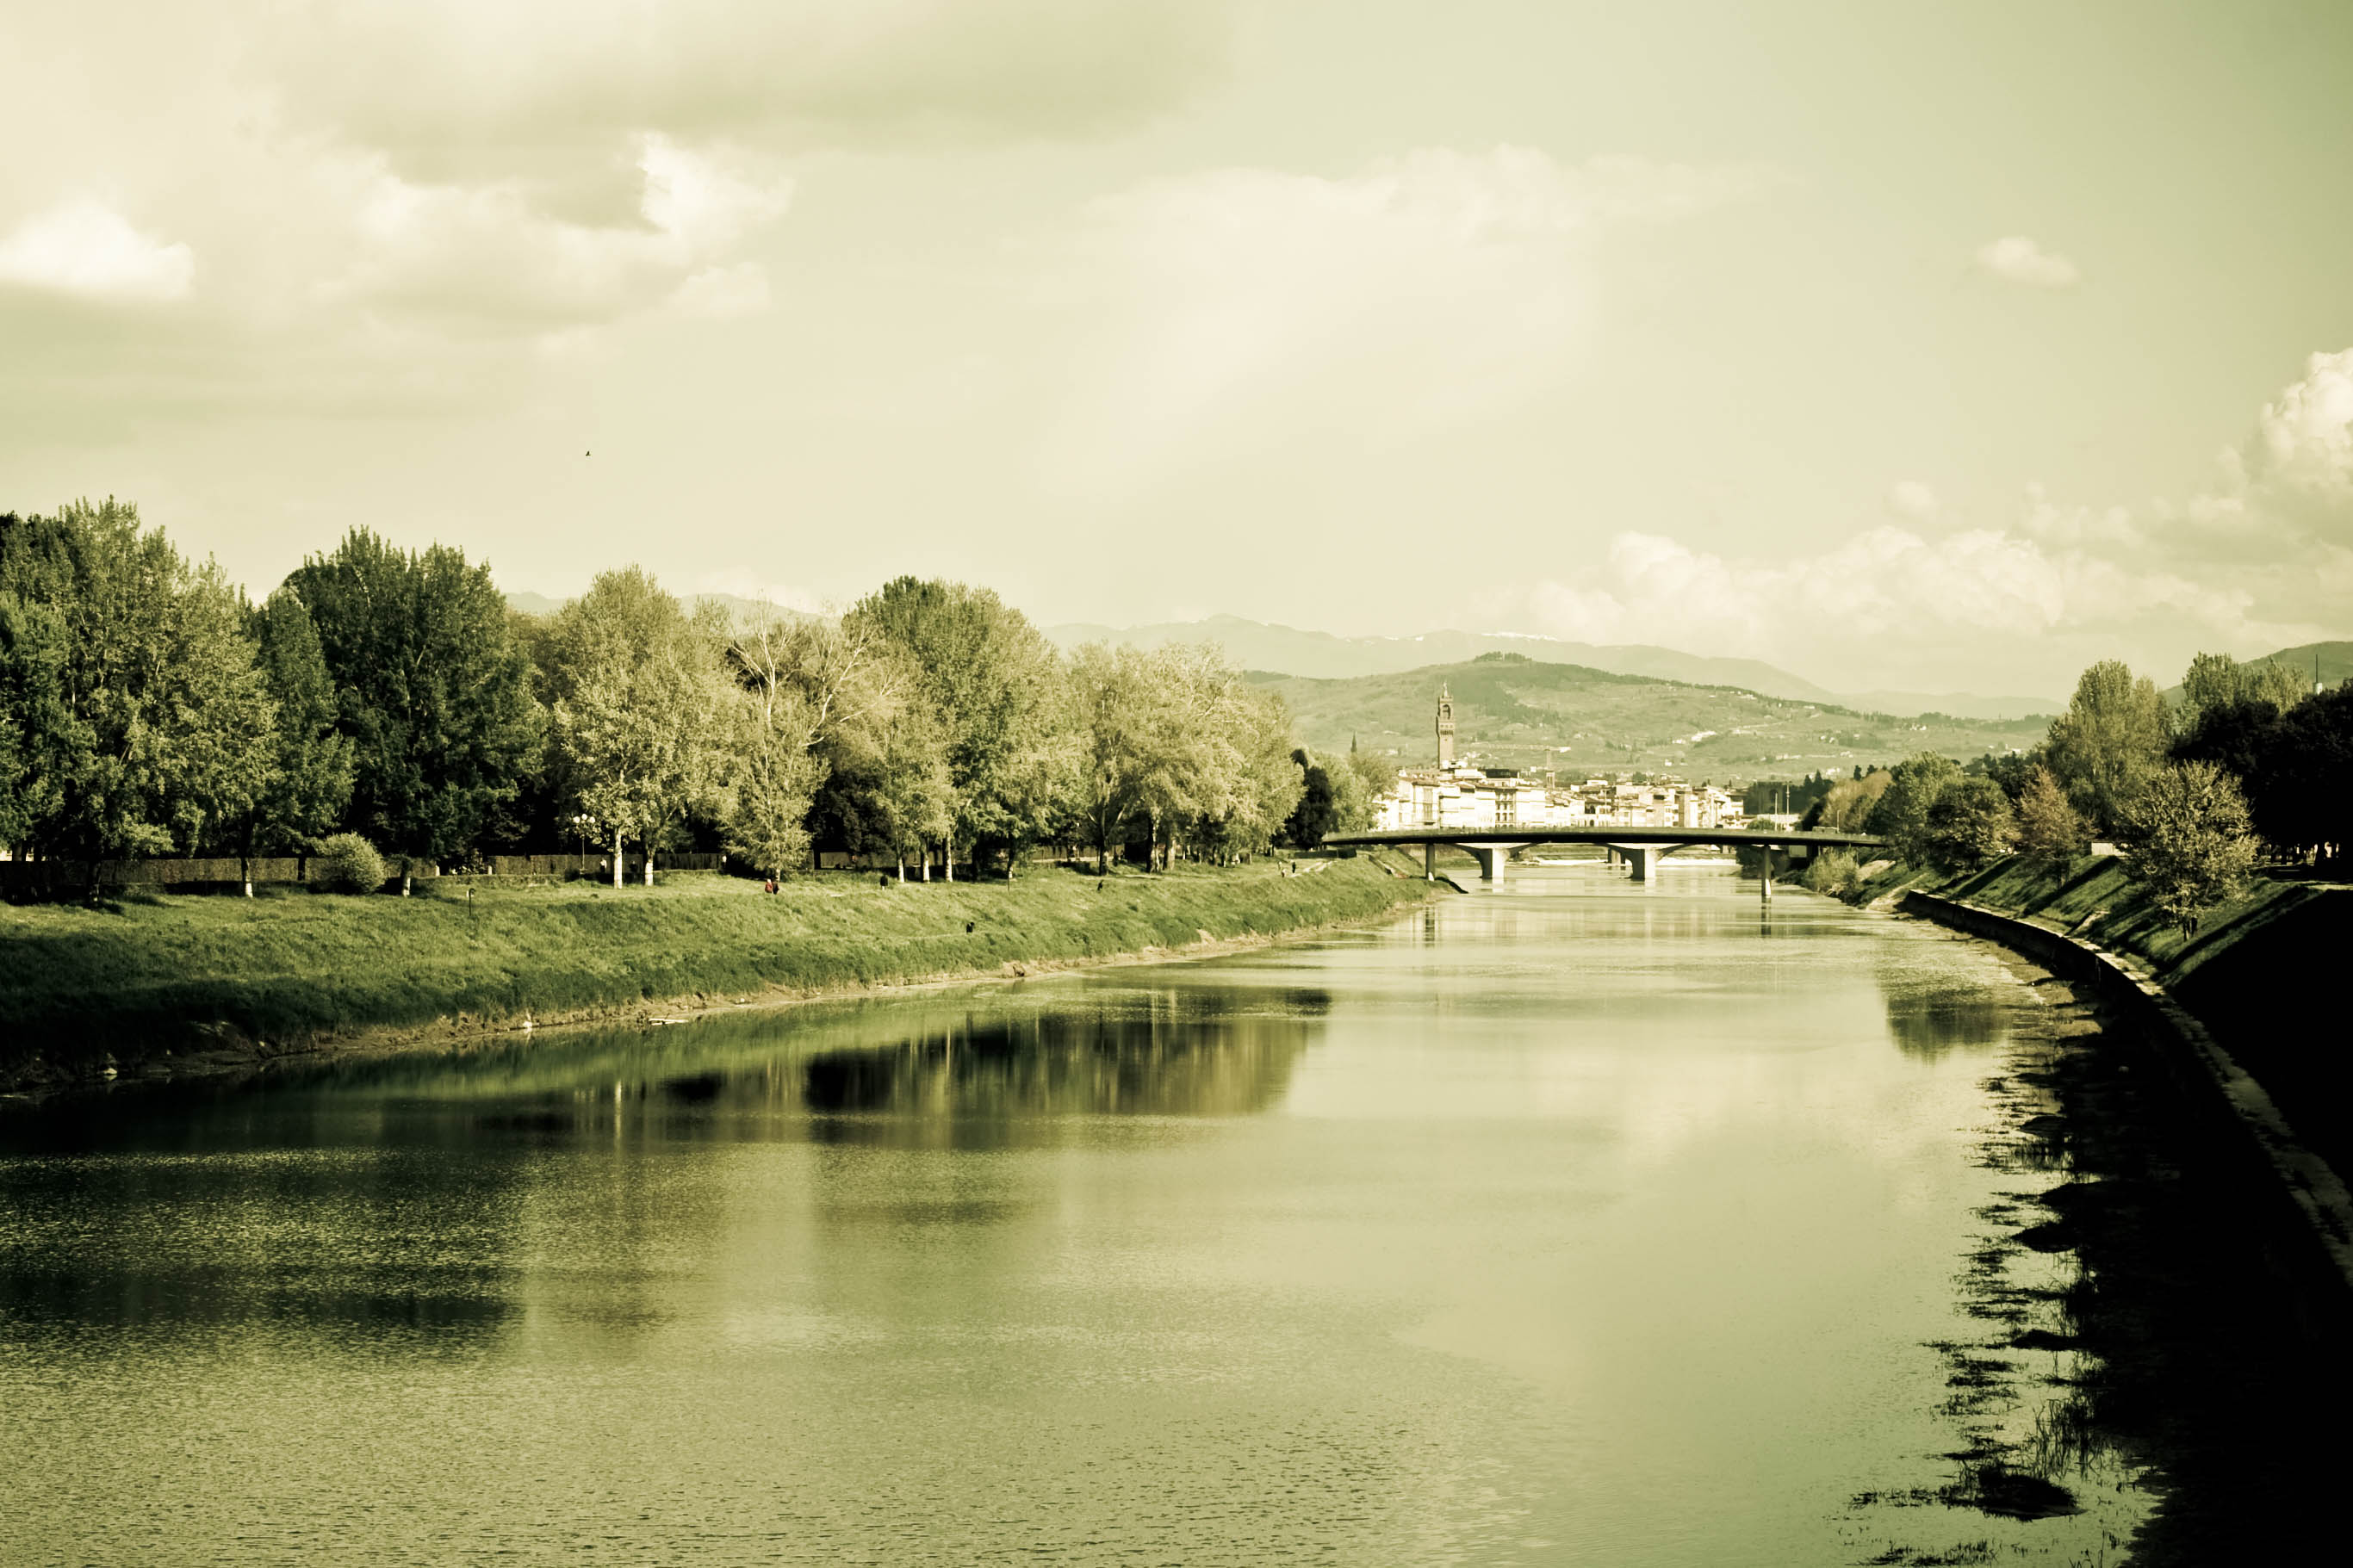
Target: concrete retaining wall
2310 1210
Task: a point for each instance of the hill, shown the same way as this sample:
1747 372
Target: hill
1512 710
1256 645
2333 661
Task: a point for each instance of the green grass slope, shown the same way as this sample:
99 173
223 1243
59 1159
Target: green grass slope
153 975
1515 712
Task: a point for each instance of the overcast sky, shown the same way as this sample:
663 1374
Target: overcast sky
1941 351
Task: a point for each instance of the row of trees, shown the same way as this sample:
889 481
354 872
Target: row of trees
146 707
2250 754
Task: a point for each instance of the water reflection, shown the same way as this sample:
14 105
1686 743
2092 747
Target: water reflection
1575 1221
1930 1021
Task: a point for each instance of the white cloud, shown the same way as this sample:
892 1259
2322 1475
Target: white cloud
485 256
701 201
486 86
2015 259
87 248
2303 446
2266 564
1237 306
1991 601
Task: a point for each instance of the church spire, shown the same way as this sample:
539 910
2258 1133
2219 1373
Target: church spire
1445 727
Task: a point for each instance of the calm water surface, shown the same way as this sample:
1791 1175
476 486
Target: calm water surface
1583 1222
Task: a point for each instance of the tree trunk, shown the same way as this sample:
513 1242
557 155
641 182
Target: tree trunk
649 861
617 859
947 854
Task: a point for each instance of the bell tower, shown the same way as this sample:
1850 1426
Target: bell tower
1445 729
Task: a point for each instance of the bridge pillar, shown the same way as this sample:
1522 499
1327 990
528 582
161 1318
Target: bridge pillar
1430 862
1640 858
1492 858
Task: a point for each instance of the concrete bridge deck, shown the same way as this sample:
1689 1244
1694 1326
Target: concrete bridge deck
1640 847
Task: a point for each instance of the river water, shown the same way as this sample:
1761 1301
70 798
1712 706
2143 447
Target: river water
1579 1223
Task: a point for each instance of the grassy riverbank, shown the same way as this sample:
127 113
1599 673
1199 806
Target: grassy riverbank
177 972
2259 973
2099 894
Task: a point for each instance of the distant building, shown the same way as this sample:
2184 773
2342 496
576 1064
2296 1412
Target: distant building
1458 795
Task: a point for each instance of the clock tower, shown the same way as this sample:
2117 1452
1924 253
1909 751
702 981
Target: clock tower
1445 729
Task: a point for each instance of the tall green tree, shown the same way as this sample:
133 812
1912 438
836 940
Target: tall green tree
1117 701
643 708
992 680
146 724
1319 808
2216 680
309 784
34 728
431 686
2048 826
1849 804
818 696
215 752
1900 815
1266 782
1969 822
2300 774
2110 740
2190 842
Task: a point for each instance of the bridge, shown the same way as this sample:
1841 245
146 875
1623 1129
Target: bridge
1640 847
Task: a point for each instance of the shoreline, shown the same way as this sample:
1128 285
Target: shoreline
2308 1205
229 1052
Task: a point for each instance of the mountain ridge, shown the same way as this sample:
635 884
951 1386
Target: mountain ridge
1533 714
1326 656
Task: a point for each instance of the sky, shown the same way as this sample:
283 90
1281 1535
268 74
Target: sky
1947 348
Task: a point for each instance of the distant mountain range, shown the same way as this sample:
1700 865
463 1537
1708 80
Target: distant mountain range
1255 645
1287 651
1514 711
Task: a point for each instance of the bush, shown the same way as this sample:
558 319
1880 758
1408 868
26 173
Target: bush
348 864
1834 874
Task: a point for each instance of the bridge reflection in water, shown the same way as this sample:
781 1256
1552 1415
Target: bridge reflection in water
1640 847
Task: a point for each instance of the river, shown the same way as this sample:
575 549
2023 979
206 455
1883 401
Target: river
1583 1222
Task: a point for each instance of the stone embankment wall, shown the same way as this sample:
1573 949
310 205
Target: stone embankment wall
2302 1200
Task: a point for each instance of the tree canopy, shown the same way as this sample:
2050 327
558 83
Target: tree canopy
431 686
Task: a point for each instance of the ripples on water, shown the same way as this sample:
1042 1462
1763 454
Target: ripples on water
1581 1222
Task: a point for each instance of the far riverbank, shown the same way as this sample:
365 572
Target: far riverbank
179 983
